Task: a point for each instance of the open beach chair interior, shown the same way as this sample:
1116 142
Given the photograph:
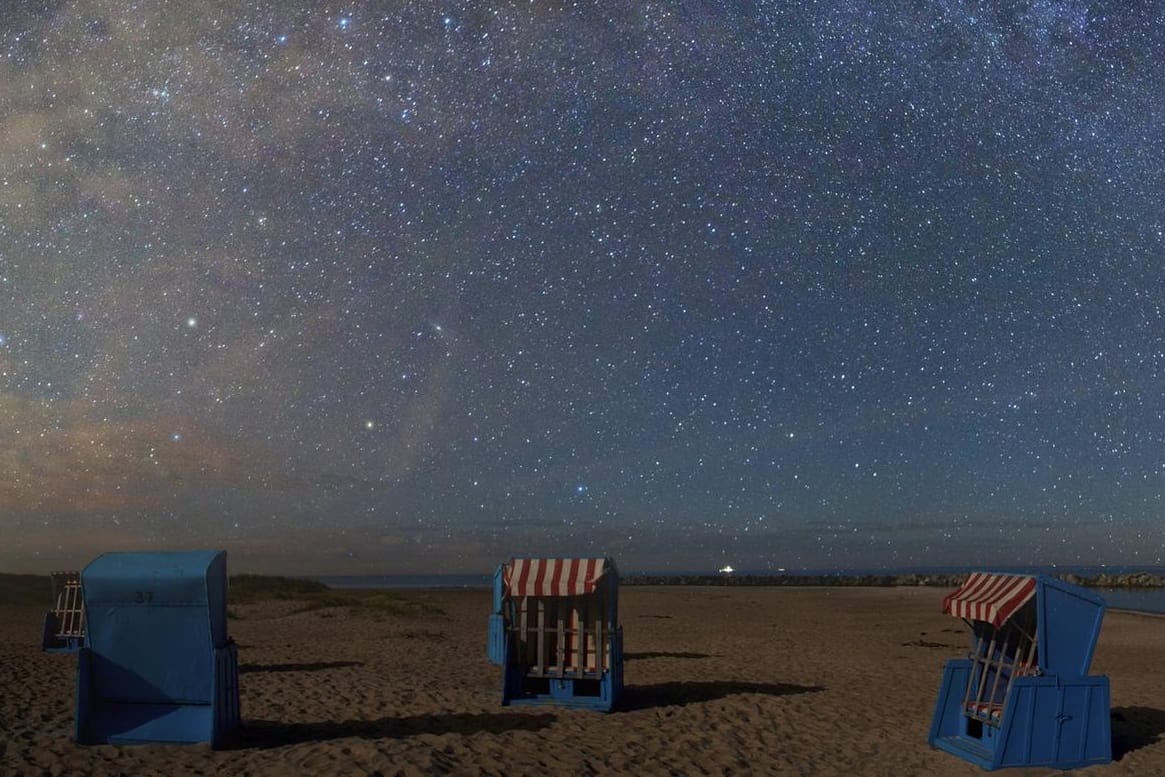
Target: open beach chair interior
157 664
1023 696
64 624
555 632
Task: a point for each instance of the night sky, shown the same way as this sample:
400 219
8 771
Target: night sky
411 287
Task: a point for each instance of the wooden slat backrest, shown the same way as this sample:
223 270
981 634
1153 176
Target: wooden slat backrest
562 634
68 604
1015 656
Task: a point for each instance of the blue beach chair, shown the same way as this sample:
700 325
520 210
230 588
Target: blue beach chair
157 665
555 632
1023 696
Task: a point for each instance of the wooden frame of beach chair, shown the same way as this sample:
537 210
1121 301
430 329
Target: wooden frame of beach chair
555 632
557 636
64 624
1023 696
998 656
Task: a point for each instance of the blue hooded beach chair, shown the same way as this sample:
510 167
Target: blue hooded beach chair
555 632
157 665
1023 696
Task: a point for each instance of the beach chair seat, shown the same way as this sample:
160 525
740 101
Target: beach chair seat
561 635
988 712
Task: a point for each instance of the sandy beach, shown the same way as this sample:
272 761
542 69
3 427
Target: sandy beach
804 681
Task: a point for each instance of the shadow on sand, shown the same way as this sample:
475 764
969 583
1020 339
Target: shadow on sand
269 733
639 697
316 667
663 654
1134 728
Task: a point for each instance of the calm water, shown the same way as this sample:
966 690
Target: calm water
1145 600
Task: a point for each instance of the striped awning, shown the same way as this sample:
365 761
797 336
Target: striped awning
990 598
553 576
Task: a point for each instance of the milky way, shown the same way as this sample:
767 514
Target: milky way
381 287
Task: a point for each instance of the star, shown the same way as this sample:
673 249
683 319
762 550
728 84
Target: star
890 280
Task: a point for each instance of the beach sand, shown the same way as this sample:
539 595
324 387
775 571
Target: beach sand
781 681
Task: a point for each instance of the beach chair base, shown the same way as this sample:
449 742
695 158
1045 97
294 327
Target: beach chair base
104 719
587 693
601 692
1045 721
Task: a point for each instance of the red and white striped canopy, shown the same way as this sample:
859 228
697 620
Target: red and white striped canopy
553 576
990 598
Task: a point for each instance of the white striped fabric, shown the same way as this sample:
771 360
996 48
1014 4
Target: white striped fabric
553 576
990 598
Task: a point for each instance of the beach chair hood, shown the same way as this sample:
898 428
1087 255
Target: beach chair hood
553 576
1068 617
990 597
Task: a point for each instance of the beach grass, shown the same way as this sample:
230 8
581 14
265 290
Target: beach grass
245 589
311 596
371 604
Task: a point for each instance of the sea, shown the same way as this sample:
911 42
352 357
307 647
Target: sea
1150 600
1139 599
406 581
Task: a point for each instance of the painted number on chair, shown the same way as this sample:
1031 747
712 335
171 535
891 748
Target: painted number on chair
143 597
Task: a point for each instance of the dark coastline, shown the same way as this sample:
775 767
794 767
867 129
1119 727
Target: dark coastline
1140 580
37 589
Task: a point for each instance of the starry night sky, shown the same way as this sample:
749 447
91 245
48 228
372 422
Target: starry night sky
416 286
